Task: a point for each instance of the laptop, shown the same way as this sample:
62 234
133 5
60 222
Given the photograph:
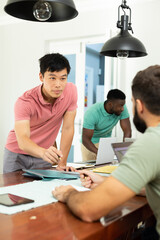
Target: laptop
120 149
105 151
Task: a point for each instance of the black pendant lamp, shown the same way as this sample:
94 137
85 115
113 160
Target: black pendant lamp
42 10
124 45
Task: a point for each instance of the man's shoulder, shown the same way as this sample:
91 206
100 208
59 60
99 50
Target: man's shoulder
125 108
69 97
29 98
94 111
95 106
125 113
147 143
70 89
31 93
70 85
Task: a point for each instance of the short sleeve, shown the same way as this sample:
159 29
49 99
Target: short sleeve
74 97
125 113
22 110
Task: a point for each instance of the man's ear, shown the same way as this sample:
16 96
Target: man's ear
41 77
110 103
140 106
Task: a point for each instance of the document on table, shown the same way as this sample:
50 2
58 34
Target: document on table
40 191
78 165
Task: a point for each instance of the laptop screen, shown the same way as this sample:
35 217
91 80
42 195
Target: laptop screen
120 149
105 150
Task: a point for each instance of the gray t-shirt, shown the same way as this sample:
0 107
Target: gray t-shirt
140 168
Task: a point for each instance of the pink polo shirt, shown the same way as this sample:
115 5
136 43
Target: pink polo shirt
45 119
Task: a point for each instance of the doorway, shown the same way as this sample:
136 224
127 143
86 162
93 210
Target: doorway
94 75
88 74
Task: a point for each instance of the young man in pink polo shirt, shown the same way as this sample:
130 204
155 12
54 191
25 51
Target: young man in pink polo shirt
39 113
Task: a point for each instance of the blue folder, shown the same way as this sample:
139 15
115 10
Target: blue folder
50 174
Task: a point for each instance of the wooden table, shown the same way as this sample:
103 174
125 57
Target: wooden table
56 222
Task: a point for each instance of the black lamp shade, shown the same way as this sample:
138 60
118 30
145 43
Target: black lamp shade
62 10
124 42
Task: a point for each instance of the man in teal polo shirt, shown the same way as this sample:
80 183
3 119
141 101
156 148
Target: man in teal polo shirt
100 119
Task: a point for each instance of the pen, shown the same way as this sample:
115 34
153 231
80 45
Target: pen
59 158
80 168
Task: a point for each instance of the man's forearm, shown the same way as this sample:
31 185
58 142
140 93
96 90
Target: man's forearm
127 134
31 148
90 146
126 128
66 142
49 155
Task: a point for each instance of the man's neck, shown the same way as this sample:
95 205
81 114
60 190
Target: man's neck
152 120
48 99
107 107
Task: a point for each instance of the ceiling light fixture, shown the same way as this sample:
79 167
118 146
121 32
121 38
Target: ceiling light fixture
42 10
124 45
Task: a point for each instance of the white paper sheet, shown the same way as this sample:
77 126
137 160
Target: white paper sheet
78 165
40 191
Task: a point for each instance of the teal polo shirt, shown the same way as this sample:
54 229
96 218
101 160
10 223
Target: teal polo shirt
97 119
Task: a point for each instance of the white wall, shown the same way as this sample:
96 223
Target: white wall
22 44
145 25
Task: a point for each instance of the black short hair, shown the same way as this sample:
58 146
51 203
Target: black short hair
116 94
146 87
54 62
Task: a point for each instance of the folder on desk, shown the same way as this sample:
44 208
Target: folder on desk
50 174
105 169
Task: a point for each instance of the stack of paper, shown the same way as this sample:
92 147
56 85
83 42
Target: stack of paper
105 169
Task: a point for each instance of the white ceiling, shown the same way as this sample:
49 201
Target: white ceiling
81 5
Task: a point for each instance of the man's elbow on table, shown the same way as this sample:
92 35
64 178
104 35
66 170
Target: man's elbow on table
85 213
83 206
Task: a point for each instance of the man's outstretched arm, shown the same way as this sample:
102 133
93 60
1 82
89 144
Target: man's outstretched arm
87 135
66 137
126 128
22 130
92 205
